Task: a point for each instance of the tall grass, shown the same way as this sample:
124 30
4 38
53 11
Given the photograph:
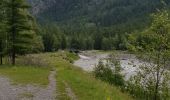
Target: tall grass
83 84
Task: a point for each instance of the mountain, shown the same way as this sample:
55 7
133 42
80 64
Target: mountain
99 12
95 23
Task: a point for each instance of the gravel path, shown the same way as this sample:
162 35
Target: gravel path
29 92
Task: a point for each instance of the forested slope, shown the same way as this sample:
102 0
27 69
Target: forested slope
95 22
99 12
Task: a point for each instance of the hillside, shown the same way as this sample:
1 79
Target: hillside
105 13
84 50
93 24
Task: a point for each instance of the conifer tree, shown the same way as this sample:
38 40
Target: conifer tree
63 42
2 29
21 31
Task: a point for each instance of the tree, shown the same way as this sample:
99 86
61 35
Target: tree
107 44
38 45
20 32
153 76
48 41
160 50
98 41
2 29
63 42
89 43
75 43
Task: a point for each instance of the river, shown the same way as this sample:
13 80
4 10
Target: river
128 62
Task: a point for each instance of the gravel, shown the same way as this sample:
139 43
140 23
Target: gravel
28 92
129 62
88 63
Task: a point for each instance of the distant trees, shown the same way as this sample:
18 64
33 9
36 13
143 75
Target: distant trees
98 39
55 38
52 37
106 23
48 40
89 43
63 42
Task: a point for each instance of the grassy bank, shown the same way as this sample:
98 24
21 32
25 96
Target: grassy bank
25 74
83 84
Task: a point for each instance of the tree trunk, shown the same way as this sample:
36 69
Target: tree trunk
13 57
157 78
13 33
1 62
156 88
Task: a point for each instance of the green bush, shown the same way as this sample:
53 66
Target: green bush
105 72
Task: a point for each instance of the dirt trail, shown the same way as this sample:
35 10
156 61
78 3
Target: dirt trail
28 92
69 92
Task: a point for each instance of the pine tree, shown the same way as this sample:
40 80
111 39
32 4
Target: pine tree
2 29
63 42
21 29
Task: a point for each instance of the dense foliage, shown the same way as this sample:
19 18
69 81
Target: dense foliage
91 24
110 71
17 29
152 79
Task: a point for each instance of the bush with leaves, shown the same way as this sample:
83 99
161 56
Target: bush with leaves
110 72
152 77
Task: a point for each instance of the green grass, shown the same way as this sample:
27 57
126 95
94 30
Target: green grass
25 74
83 84
72 56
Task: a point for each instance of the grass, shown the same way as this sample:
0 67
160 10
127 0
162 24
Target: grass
25 74
72 56
83 84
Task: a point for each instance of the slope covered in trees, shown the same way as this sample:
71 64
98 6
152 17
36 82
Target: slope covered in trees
99 12
91 24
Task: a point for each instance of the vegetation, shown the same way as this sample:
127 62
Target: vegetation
87 25
84 85
18 30
26 74
152 79
104 22
110 72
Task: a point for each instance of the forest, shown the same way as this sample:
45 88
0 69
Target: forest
90 24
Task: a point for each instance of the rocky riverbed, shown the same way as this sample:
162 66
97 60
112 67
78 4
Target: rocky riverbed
129 62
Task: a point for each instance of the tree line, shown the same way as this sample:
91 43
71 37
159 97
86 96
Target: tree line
55 37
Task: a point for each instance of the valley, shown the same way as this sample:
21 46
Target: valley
84 49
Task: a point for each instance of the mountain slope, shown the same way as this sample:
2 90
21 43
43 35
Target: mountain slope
99 12
94 24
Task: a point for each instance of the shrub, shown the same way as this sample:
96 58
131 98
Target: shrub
109 72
